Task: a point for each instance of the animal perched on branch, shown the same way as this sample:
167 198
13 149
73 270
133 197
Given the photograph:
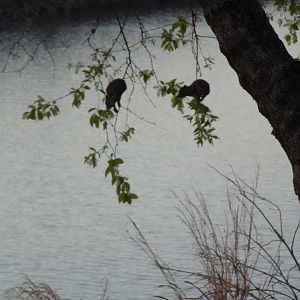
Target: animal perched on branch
198 89
114 91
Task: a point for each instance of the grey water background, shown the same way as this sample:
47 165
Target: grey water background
59 220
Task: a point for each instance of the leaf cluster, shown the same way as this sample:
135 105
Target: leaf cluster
78 95
41 109
92 158
201 120
146 75
177 102
167 88
126 135
170 39
292 21
121 182
100 116
103 65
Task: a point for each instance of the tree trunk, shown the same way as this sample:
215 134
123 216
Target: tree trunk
264 68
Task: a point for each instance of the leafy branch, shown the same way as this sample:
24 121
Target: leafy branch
201 119
41 109
121 182
120 57
290 18
171 38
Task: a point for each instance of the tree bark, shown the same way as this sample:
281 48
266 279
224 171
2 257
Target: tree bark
264 67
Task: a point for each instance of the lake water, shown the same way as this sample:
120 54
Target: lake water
59 220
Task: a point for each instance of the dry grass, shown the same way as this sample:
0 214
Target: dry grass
30 290
235 262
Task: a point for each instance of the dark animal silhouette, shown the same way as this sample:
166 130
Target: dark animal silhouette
198 89
114 91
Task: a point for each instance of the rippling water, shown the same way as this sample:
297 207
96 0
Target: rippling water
59 220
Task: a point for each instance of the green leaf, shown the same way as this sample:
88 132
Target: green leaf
146 75
104 125
93 160
177 103
123 198
133 196
118 189
76 101
114 177
40 115
31 115
116 162
125 187
107 171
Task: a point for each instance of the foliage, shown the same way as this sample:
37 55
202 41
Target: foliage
122 185
126 135
107 63
201 117
41 109
289 18
146 75
201 120
171 39
100 116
